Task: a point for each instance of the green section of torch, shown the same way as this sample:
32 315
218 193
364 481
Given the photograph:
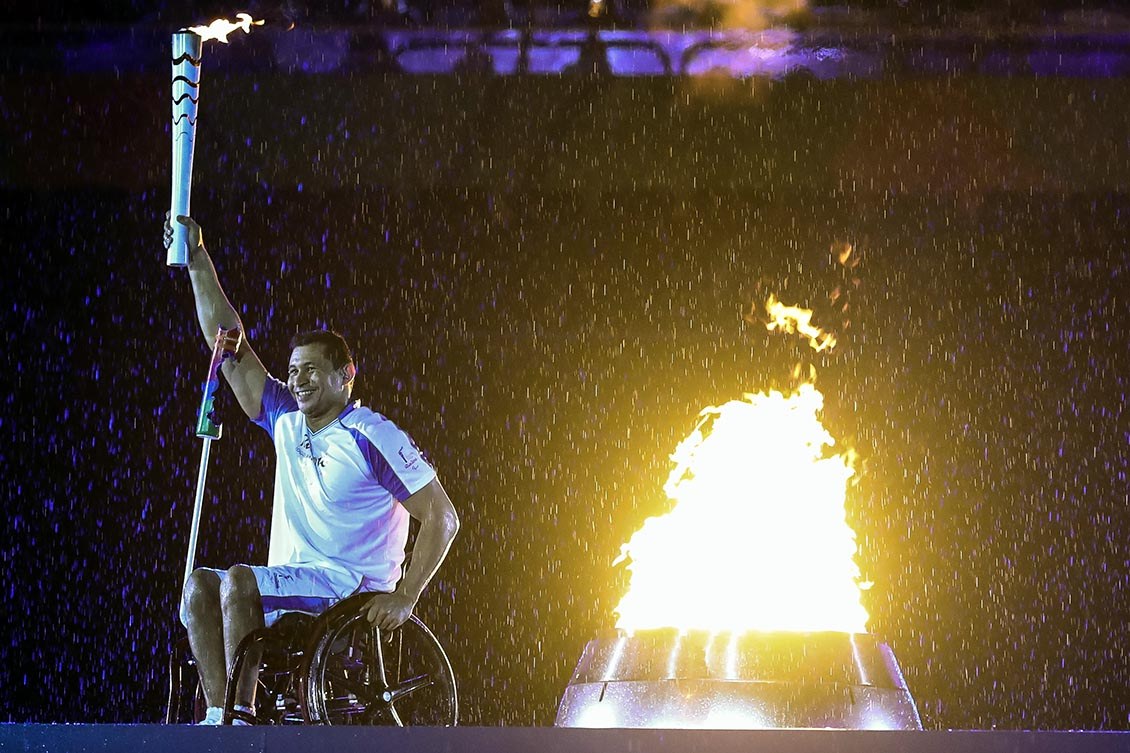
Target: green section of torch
227 345
205 426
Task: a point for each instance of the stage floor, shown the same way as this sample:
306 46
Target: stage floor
137 738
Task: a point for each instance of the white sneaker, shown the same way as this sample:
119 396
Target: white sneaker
214 716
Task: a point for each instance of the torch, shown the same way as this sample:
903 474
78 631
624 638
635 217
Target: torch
208 428
188 45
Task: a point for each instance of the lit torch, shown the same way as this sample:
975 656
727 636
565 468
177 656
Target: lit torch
743 608
188 47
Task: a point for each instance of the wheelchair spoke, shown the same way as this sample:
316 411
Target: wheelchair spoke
385 703
392 694
357 688
377 662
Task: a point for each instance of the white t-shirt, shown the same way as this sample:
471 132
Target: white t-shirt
338 491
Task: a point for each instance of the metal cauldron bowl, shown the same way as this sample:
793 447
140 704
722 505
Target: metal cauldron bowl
753 680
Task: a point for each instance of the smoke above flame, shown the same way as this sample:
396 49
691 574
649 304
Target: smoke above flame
758 537
220 28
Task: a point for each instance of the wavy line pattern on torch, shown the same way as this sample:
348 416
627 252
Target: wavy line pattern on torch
187 82
189 58
183 97
191 121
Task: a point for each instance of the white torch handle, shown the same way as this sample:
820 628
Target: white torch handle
187 47
198 507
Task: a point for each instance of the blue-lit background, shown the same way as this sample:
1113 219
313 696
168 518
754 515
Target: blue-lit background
543 276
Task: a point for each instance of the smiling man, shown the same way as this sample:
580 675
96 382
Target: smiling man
346 481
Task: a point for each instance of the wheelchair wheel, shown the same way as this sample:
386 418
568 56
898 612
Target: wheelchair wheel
357 674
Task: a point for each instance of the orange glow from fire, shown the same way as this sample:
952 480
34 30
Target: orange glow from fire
221 27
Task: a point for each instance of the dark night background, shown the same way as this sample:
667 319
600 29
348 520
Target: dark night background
543 279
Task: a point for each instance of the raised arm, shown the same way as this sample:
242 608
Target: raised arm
245 373
438 525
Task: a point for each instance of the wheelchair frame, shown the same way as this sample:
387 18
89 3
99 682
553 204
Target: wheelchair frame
335 668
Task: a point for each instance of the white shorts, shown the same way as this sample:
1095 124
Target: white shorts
295 588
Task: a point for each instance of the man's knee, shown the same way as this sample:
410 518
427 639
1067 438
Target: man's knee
239 587
201 593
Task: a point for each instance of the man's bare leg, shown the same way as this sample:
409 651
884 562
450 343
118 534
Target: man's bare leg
204 621
243 612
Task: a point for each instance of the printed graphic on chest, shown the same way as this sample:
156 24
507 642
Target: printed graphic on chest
305 449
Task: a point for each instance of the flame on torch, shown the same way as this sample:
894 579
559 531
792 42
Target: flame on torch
221 27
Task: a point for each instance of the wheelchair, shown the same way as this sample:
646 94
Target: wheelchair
334 668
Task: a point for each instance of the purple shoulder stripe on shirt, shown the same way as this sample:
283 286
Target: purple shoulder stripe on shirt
382 470
277 400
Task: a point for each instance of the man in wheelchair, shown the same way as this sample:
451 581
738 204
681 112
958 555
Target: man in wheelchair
346 482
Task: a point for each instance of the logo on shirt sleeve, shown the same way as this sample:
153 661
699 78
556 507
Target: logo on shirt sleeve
410 458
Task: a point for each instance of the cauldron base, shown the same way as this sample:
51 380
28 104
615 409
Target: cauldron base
667 679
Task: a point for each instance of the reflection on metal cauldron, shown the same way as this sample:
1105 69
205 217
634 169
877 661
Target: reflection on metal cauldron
661 678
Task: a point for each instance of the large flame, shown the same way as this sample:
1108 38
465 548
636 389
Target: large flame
758 537
221 27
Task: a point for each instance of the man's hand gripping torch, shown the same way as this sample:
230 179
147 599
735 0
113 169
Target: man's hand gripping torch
208 428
